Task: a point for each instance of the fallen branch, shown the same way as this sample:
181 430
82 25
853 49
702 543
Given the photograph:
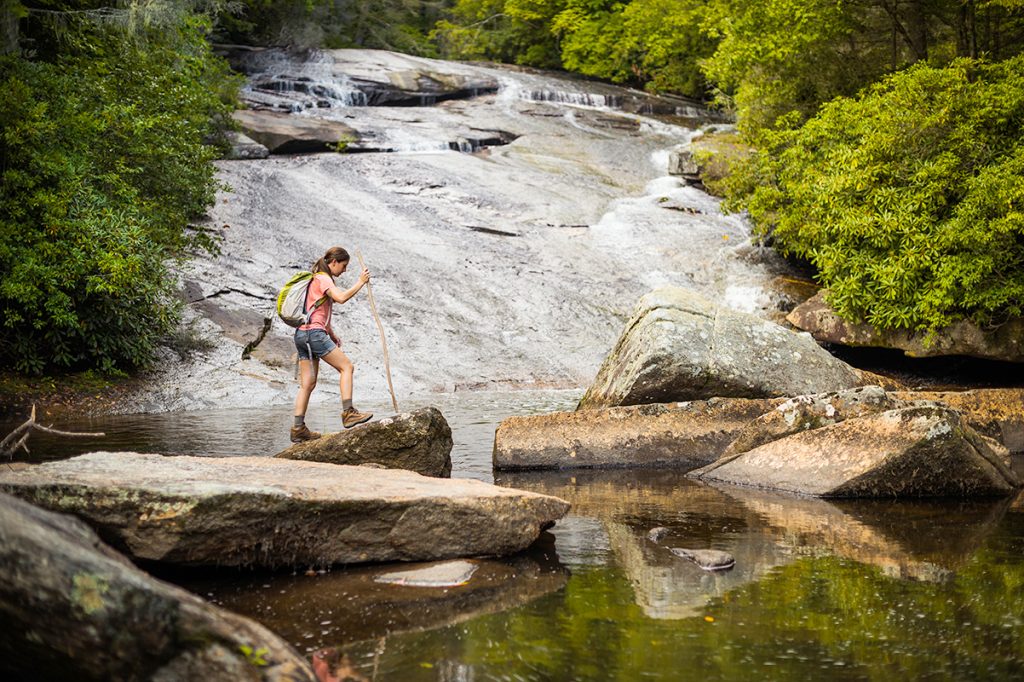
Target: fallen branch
18 438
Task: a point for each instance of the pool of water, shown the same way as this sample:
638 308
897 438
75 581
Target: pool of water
821 589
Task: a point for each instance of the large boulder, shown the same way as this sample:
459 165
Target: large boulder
72 608
240 511
921 451
1005 342
680 346
683 435
419 441
288 134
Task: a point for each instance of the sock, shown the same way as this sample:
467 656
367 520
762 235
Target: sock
346 405
300 419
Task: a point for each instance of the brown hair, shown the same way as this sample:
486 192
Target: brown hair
335 254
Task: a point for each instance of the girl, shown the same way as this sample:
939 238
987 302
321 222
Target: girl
316 340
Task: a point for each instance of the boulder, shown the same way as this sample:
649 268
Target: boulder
264 511
994 412
419 441
920 451
807 412
683 435
73 608
288 134
1005 342
244 147
679 346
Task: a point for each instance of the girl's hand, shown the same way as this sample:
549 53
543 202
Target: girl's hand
364 276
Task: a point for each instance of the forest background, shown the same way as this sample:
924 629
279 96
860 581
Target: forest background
879 141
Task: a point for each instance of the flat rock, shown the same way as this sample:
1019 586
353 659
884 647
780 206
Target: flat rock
921 451
73 608
682 435
287 134
994 412
443 574
419 441
680 346
244 147
1005 342
241 511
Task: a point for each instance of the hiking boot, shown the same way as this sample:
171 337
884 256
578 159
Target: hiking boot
352 417
302 433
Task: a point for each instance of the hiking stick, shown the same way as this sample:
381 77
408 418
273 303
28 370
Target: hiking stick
380 328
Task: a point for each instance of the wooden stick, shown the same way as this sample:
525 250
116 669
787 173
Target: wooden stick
380 328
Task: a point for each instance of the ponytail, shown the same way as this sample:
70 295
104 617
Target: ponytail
335 254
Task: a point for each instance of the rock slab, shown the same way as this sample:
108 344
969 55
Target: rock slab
419 441
1005 342
73 608
920 451
287 134
242 511
680 346
679 435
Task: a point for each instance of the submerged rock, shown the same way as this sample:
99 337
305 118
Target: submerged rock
1005 342
707 559
419 441
680 346
446 574
73 608
683 435
240 511
920 451
286 134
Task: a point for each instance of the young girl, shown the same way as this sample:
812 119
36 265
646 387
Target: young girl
316 341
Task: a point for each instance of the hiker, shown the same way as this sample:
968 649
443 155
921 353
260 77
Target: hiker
316 341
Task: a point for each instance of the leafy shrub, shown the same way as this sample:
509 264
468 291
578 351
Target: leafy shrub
103 162
909 199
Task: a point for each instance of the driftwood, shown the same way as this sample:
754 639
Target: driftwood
18 438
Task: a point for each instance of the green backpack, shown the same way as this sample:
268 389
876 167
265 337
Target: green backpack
291 301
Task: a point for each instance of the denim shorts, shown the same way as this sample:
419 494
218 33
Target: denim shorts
315 340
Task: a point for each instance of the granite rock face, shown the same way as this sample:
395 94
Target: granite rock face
919 451
241 511
680 435
1005 342
680 346
73 608
419 441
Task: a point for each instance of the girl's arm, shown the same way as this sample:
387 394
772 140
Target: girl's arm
339 296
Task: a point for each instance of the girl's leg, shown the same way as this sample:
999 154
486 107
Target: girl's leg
339 361
308 371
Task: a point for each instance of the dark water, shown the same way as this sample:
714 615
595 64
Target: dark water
873 590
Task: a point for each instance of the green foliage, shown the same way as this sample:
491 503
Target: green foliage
255 657
908 199
513 31
104 160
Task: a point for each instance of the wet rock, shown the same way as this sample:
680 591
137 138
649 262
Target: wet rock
707 559
684 435
446 574
807 412
921 451
73 608
1005 342
244 147
419 441
681 162
680 346
287 134
240 511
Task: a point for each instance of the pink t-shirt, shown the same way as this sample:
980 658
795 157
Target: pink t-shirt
321 318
